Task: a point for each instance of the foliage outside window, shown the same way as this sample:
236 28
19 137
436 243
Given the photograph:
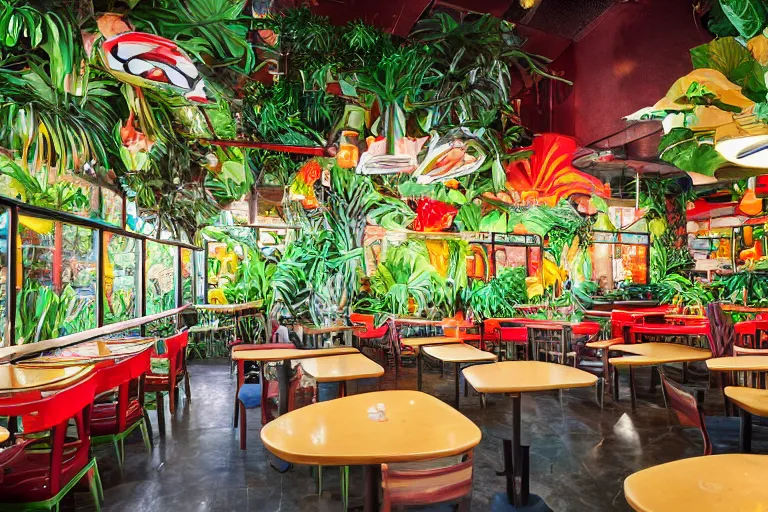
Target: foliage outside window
4 216
161 277
57 285
121 277
187 275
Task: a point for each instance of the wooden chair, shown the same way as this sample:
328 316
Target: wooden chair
175 353
689 412
422 487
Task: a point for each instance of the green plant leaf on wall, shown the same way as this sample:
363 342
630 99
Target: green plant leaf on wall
748 16
683 149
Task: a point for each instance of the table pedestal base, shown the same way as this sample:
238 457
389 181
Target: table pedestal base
500 503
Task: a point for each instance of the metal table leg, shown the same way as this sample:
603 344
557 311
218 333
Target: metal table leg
456 371
283 378
419 367
745 432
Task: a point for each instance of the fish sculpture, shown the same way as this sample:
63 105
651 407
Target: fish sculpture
145 60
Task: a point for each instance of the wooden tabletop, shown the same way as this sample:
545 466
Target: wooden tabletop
754 401
417 321
341 433
16 379
434 340
458 353
282 354
524 376
90 352
312 330
645 354
603 344
342 367
4 435
737 364
229 308
714 483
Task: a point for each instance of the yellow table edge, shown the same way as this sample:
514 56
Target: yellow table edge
738 364
435 340
468 375
378 372
677 467
4 434
281 354
473 354
53 385
347 460
746 399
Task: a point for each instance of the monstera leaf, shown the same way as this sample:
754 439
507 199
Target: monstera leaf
748 16
548 175
733 60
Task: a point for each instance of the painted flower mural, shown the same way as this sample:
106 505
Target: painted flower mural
548 175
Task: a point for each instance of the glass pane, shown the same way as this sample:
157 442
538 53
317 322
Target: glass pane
161 277
111 207
187 274
121 277
57 287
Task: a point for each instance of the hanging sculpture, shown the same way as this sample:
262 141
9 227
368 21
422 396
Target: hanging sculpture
549 176
147 60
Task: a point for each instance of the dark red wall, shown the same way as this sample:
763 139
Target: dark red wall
625 60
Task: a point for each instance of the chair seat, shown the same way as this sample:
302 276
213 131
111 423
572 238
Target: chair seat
155 382
104 418
250 395
26 474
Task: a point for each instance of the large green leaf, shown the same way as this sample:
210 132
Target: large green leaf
735 61
684 150
748 16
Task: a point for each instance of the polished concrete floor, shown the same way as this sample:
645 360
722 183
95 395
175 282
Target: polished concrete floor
580 455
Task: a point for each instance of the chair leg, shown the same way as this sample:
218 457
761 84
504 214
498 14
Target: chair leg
172 395
145 436
97 476
632 396
243 426
187 387
160 412
116 444
93 487
148 427
344 477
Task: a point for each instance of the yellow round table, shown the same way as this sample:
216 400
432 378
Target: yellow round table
285 356
518 377
652 354
4 434
343 433
751 402
716 483
341 369
418 343
738 364
458 353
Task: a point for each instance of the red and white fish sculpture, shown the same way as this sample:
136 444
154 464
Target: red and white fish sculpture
141 59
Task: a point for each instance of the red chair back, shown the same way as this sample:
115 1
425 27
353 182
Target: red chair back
28 477
115 373
425 487
369 332
687 409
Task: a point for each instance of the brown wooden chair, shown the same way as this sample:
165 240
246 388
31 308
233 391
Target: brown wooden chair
422 487
720 432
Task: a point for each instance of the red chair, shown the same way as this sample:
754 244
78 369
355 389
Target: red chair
120 409
503 336
37 472
638 333
420 487
747 334
371 337
687 409
175 353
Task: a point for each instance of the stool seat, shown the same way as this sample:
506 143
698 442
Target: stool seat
250 395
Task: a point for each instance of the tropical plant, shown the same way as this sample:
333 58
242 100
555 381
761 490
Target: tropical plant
42 314
498 297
